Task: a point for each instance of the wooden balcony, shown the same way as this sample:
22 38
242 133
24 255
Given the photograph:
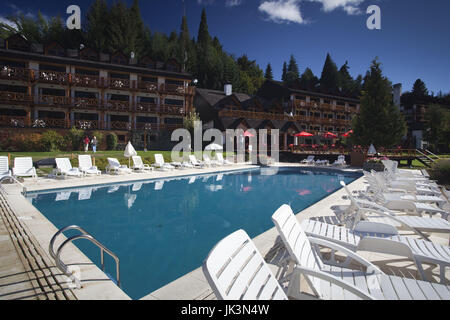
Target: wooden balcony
148 86
86 103
14 73
53 101
119 84
172 110
13 121
86 124
120 125
86 81
254 115
115 105
146 107
172 88
146 126
15 97
50 123
53 77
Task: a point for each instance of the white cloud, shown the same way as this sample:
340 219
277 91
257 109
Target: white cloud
233 3
349 6
8 22
282 11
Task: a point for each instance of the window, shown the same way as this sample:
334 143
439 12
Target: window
341 103
146 119
10 63
119 97
121 118
327 101
53 92
51 114
121 138
50 67
149 79
300 98
83 94
173 120
86 116
147 99
8 88
87 72
13 112
55 49
119 59
119 75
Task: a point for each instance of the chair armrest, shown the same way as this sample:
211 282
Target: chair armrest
370 266
334 280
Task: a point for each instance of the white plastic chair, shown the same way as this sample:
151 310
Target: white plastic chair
209 162
64 168
161 164
139 165
340 161
4 167
235 270
221 160
336 282
23 167
85 165
114 166
195 162
308 160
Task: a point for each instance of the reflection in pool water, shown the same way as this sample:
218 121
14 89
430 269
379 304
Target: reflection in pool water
163 229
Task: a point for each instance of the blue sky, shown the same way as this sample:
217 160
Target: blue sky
412 43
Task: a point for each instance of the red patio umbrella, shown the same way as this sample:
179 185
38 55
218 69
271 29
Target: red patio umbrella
347 133
329 135
304 134
248 134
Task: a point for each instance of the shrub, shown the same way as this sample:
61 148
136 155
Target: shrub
74 137
52 141
25 142
441 171
111 141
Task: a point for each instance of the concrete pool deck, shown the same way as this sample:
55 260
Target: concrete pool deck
17 280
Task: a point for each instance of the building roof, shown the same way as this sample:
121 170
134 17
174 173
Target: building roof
214 97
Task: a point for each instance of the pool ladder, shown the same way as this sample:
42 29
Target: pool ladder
84 235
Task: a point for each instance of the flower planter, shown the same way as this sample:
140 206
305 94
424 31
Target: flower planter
377 166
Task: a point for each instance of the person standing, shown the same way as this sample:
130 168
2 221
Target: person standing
94 144
86 143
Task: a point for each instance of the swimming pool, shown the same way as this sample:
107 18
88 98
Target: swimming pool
163 229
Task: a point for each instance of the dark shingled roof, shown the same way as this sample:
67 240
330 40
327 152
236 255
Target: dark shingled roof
213 97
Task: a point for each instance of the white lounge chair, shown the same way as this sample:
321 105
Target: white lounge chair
4 167
308 160
322 162
114 166
391 170
336 282
418 250
235 270
340 161
195 162
23 167
64 168
85 165
139 165
371 211
411 186
221 160
161 164
209 162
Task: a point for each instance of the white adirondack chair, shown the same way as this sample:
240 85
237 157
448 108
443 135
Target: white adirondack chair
114 166
161 164
64 168
4 167
308 160
195 162
221 160
85 165
235 270
371 211
139 165
416 249
209 162
23 167
336 282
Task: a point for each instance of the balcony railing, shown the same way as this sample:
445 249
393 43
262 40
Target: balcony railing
170 127
115 105
49 123
173 110
86 103
148 86
14 97
54 101
146 107
13 121
53 77
146 126
85 81
120 125
86 124
14 73
121 84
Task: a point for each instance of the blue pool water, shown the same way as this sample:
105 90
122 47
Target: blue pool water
161 230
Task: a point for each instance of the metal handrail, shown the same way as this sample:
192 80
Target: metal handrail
15 180
426 150
84 235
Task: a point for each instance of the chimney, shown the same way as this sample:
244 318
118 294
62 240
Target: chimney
397 92
228 89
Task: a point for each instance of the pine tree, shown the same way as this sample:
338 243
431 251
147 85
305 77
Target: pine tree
346 81
97 23
379 121
419 89
203 37
308 80
329 80
284 74
268 74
